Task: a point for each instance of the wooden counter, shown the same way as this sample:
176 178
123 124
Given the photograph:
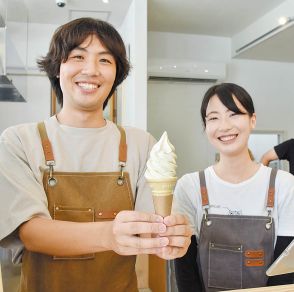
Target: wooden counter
283 288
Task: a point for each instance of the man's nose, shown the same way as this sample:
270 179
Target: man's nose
91 67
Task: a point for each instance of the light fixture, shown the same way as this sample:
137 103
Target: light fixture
283 21
105 1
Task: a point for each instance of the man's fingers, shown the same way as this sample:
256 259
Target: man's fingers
135 216
143 243
130 228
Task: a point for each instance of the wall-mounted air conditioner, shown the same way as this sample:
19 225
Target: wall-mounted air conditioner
185 70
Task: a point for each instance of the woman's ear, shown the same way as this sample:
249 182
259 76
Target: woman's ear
253 121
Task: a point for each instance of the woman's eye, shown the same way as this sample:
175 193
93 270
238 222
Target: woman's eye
77 57
233 114
211 119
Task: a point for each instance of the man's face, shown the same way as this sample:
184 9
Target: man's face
87 76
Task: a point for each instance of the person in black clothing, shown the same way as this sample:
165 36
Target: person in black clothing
283 151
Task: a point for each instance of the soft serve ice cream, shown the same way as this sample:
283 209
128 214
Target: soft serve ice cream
162 161
161 174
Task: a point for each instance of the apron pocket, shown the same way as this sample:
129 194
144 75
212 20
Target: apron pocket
225 266
73 214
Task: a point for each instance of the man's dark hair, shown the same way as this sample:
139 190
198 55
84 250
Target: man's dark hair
69 36
225 92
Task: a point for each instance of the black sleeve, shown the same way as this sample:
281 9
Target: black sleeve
282 243
186 269
285 149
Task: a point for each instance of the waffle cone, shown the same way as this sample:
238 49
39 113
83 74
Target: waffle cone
162 194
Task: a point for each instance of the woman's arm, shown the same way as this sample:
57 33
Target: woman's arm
186 269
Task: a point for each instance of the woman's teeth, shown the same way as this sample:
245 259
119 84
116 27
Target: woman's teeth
87 85
227 138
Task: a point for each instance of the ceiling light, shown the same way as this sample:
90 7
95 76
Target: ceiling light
206 71
283 20
105 1
175 66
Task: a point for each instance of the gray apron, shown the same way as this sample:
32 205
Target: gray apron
235 251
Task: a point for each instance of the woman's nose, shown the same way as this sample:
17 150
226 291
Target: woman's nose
225 124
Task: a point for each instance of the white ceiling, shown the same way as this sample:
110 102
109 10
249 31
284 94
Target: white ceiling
46 11
209 17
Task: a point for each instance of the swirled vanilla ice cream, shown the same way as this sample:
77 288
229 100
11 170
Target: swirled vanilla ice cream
161 175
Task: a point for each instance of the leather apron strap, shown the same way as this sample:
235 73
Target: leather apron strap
270 193
48 152
47 148
271 189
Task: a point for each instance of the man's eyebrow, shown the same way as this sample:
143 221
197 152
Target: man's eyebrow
85 49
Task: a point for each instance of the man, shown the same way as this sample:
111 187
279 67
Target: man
85 173
282 151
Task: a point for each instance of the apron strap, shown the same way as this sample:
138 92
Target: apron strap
271 189
122 146
47 148
203 189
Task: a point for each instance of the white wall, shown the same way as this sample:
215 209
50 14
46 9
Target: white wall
134 89
37 87
175 107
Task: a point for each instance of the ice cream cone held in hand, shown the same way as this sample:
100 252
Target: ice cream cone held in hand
161 175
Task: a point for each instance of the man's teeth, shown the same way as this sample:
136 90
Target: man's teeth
227 138
87 85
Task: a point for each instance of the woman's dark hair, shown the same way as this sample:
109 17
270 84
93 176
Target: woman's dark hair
69 36
225 92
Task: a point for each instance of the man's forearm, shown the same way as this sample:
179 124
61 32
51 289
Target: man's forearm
62 238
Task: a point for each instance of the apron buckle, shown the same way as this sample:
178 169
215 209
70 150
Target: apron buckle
207 222
268 225
121 179
52 181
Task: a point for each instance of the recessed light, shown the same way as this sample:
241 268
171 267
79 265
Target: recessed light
160 68
105 1
283 20
175 66
206 71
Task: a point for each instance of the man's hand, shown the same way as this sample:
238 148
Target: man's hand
179 235
129 232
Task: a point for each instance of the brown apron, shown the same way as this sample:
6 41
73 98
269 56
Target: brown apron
82 197
235 251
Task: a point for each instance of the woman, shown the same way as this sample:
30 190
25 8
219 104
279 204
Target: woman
239 209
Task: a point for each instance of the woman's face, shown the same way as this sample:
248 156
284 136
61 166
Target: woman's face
227 131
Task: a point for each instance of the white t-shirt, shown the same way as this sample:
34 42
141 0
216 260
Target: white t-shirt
246 198
22 164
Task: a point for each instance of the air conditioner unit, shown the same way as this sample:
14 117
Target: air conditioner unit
185 70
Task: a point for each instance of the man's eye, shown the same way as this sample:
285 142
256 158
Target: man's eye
105 61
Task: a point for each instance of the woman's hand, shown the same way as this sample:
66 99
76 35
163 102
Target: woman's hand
179 235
